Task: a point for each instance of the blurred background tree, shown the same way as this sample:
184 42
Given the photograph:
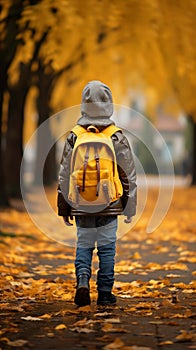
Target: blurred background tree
50 49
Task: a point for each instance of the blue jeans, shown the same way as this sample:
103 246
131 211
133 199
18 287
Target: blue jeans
100 229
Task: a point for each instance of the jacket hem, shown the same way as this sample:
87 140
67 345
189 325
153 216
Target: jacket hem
101 213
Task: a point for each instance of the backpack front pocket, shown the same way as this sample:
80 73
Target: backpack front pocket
92 189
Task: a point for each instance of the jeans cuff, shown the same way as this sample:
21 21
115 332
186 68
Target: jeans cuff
83 271
104 289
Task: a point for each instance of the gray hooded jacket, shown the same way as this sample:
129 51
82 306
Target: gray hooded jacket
97 107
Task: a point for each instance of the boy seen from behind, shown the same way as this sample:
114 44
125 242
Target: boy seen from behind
97 182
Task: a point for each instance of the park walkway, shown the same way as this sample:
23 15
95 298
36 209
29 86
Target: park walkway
155 286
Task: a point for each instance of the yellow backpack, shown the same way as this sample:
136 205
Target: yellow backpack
94 178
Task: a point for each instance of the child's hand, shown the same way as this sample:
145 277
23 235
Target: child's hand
128 220
66 220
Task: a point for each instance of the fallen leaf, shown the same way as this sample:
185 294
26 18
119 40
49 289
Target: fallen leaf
116 344
173 275
188 291
102 314
167 302
126 296
108 327
112 320
166 342
67 312
148 305
105 338
185 336
24 274
46 316
81 330
13 308
83 322
60 327
136 256
15 343
184 286
86 308
50 335
31 318
190 259
188 313
131 309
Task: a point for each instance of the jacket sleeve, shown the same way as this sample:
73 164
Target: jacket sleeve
64 208
127 174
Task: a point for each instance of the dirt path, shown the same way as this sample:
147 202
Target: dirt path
155 286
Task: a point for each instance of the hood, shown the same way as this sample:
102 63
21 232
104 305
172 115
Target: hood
100 123
97 101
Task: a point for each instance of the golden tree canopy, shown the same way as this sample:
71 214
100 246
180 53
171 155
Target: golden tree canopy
136 47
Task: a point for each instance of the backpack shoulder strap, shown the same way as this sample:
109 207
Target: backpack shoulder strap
111 130
78 130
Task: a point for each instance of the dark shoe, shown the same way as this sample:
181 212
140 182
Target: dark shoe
82 296
106 298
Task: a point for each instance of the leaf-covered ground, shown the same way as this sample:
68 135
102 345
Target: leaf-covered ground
155 285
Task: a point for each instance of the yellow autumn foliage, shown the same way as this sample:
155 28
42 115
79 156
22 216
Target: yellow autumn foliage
135 47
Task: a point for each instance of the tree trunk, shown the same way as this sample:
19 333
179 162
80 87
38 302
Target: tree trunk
44 137
14 141
3 195
14 136
7 51
194 154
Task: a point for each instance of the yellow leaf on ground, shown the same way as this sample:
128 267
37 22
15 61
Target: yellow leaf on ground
188 291
31 318
173 275
105 338
156 322
50 335
113 320
108 327
166 302
190 259
86 308
136 255
15 343
83 322
102 314
166 342
60 327
116 344
131 309
186 336
81 330
45 316
67 296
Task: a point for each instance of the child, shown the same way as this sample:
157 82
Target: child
97 227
